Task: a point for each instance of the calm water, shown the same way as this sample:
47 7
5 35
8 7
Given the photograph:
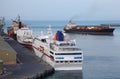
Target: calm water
101 53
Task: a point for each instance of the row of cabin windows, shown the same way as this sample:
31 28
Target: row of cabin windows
66 53
51 52
68 61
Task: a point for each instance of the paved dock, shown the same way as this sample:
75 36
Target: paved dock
29 66
5 46
7 53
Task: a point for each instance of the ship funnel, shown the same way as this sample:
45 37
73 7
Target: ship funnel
59 36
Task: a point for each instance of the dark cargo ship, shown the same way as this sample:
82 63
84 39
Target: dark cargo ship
96 30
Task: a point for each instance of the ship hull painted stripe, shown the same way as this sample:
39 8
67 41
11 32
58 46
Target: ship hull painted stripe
101 32
95 33
44 53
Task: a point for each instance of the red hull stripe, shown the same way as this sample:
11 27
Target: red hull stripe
43 53
27 45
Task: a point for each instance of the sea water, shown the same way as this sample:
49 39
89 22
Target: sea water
101 52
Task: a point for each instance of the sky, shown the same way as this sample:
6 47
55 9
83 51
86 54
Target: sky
61 9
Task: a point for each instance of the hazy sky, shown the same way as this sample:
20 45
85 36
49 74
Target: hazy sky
61 9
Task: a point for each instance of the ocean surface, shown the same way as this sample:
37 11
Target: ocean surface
101 52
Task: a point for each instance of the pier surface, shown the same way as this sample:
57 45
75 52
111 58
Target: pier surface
29 66
7 53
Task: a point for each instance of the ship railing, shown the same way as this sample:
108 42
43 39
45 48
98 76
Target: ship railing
65 43
69 49
64 48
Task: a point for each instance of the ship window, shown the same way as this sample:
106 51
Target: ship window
51 52
68 53
75 61
80 61
77 57
61 61
57 61
43 40
51 56
59 57
71 61
66 61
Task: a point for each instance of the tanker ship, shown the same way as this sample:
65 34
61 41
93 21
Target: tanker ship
91 29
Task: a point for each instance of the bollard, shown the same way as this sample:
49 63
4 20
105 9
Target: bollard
1 67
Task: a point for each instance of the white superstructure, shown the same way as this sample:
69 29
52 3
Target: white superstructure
24 36
60 53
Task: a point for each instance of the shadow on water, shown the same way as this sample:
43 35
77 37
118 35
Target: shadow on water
66 75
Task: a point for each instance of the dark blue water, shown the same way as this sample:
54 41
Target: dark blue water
101 52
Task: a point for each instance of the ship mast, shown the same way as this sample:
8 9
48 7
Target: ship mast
18 18
49 30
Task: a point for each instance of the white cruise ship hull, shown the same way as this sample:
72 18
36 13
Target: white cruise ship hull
58 66
66 64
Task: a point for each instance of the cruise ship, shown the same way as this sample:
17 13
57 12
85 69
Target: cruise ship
57 51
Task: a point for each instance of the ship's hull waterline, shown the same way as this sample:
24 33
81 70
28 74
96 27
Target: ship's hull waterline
94 32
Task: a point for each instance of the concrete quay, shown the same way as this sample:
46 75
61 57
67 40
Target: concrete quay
28 65
7 53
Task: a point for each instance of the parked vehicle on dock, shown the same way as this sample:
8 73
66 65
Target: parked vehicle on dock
59 52
85 29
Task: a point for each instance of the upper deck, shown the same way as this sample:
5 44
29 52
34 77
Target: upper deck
64 46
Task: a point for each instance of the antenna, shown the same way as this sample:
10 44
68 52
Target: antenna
18 18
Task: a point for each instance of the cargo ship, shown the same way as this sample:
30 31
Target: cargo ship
60 53
20 32
91 29
25 37
12 30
